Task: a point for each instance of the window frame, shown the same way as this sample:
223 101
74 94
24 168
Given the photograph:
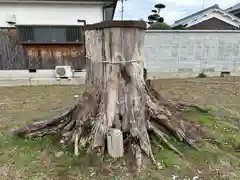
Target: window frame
50 41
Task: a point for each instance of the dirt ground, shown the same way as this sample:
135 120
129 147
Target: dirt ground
222 95
38 159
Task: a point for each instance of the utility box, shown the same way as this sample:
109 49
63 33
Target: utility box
115 143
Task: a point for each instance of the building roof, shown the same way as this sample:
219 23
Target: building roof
196 14
233 8
211 12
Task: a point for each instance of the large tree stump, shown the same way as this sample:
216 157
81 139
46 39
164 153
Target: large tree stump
117 97
114 53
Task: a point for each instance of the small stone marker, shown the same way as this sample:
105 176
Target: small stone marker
59 154
115 143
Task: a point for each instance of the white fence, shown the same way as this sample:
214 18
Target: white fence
189 52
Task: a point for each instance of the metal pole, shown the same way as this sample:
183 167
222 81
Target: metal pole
122 8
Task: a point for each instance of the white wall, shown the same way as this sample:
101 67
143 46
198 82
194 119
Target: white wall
192 51
50 13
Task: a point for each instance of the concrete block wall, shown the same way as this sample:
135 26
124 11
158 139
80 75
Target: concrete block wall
187 53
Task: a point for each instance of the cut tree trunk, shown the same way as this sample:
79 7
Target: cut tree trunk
117 96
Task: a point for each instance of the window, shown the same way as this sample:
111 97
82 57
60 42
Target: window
50 34
74 34
41 34
26 33
58 35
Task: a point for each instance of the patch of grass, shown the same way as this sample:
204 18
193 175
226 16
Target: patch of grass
36 158
214 163
202 118
222 134
24 154
202 75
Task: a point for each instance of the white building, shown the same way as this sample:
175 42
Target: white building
47 32
55 12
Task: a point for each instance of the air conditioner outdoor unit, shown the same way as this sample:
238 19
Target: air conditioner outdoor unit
63 72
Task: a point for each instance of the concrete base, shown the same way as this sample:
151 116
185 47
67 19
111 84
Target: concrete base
40 73
183 75
39 81
40 77
47 77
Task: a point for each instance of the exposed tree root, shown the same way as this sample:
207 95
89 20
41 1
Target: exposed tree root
85 125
